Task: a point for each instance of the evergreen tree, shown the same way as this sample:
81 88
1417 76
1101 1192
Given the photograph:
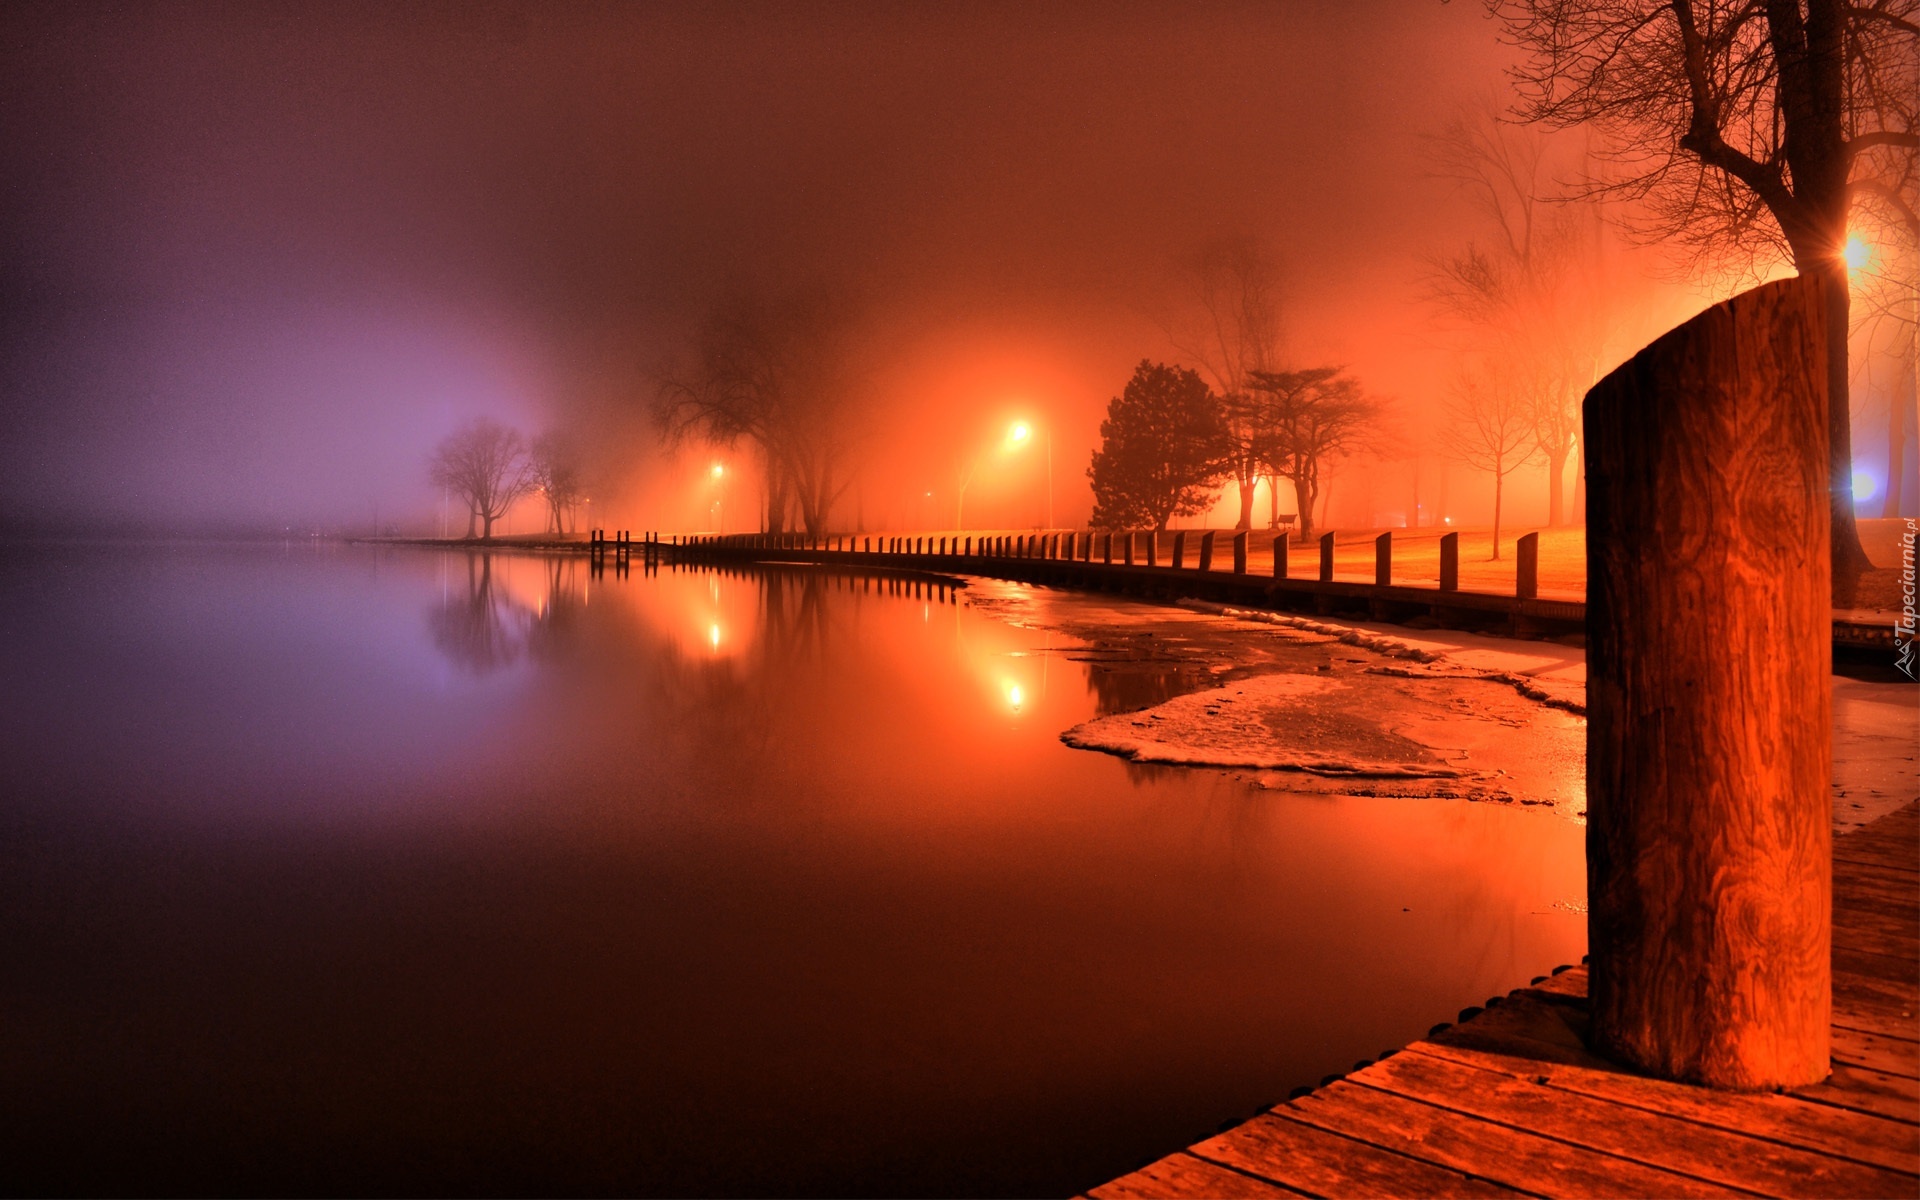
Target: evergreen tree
1164 448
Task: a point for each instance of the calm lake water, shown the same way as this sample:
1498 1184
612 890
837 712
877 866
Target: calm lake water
341 869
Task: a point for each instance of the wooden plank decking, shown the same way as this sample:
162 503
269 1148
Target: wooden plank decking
1510 1102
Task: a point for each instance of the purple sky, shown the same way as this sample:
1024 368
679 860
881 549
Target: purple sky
259 258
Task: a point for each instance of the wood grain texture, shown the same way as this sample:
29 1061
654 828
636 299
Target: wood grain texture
1709 754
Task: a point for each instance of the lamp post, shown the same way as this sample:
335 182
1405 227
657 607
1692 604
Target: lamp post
1019 436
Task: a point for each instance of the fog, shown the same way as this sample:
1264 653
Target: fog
260 259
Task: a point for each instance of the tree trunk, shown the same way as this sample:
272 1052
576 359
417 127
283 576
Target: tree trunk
1499 488
1580 480
1709 837
1849 557
473 516
1556 487
776 498
1248 482
1303 498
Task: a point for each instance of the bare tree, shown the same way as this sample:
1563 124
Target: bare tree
1490 426
1235 332
777 374
1745 128
485 464
1308 419
554 470
1533 287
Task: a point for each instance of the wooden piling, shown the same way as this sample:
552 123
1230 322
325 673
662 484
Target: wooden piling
1383 560
1280 545
1709 688
1526 567
1326 557
1450 562
1240 552
1180 550
1206 551
1129 540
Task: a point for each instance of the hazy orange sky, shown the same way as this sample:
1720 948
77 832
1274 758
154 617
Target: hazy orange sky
260 258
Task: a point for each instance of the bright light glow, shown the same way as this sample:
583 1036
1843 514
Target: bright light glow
1864 486
1857 253
713 636
718 470
1020 432
1016 696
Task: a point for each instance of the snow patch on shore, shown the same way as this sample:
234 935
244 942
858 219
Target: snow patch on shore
1282 722
1550 677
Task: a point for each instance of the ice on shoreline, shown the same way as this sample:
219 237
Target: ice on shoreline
1263 723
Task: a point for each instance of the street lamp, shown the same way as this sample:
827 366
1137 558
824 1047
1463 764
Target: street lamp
1019 436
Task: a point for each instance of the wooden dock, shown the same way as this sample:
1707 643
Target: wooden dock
1510 1102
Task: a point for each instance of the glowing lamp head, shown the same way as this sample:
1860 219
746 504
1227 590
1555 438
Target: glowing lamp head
1020 432
718 471
1857 252
1864 486
1016 696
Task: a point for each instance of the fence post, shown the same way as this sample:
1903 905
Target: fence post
1383 560
1240 552
1450 562
1326 558
1106 548
1206 551
1526 564
1128 556
1179 549
1280 546
1153 547
1709 750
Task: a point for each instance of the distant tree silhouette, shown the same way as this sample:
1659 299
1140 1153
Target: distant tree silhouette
1532 285
554 466
1307 419
1489 425
1163 450
1744 131
777 372
485 464
1233 331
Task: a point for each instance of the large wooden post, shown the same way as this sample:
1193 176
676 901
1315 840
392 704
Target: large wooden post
1450 562
1240 553
1383 559
1526 566
1280 556
1326 557
1709 633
